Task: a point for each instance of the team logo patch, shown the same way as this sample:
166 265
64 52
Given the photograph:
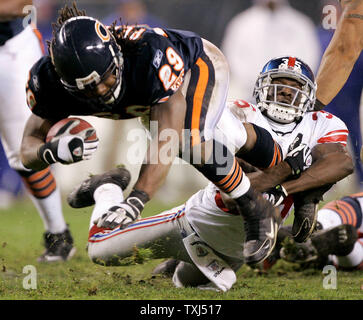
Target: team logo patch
287 64
215 267
157 58
199 249
102 32
77 152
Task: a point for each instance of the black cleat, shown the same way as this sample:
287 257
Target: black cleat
305 216
306 212
58 247
338 241
82 195
261 225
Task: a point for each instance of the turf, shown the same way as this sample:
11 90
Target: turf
79 279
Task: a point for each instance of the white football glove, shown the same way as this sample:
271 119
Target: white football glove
117 216
124 213
67 148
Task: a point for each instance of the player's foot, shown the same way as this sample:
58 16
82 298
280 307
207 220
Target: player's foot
167 267
338 241
306 212
305 215
261 225
58 247
82 195
283 233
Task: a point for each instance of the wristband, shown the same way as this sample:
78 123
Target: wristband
138 198
319 105
46 155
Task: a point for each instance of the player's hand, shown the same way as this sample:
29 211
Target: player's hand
68 148
276 195
125 213
118 216
298 157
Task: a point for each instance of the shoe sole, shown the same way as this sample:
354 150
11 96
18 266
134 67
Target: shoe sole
255 262
51 259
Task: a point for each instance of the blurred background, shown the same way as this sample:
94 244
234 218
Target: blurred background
249 32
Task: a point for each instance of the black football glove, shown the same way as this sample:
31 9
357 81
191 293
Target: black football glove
275 195
299 157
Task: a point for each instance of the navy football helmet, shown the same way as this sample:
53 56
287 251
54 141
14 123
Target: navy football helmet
85 53
266 92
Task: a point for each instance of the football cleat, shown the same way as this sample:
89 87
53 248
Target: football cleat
306 212
82 195
305 217
58 247
338 241
283 233
261 221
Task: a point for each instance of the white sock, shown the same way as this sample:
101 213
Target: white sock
106 196
328 218
353 259
50 211
242 188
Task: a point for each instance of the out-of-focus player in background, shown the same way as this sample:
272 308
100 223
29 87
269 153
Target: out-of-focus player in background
172 77
204 236
340 56
337 240
20 48
339 79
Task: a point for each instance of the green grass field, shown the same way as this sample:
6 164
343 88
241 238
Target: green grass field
79 279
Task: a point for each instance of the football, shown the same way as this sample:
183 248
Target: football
76 126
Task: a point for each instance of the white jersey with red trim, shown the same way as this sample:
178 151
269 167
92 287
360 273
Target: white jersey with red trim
205 211
316 127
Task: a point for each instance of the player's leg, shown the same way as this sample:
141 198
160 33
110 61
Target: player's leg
336 240
205 93
162 234
344 211
16 60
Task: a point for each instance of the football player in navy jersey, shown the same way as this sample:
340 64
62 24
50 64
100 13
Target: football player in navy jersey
174 77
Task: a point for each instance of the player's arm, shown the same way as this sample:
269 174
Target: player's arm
332 163
64 147
10 9
35 131
169 116
342 52
263 180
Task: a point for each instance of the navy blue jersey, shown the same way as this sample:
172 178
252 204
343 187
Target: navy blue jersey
152 73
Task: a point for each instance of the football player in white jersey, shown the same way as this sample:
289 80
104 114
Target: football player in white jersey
205 235
20 48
